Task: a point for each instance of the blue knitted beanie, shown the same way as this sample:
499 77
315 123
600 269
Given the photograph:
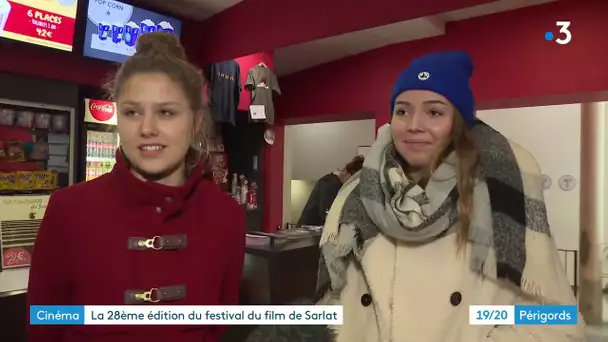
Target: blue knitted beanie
445 73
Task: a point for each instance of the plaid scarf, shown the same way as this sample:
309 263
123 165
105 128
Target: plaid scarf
507 202
509 218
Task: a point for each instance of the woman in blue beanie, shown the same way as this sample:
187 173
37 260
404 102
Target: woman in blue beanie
446 213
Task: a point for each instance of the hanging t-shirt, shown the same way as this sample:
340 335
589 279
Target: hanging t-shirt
262 82
225 79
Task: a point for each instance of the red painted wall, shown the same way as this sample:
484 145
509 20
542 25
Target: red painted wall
55 65
512 60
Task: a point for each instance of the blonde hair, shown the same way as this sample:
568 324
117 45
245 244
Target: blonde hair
467 153
162 52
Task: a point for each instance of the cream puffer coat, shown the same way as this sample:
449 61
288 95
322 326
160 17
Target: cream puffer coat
422 294
401 293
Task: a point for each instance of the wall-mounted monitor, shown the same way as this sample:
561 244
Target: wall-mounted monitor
47 23
113 27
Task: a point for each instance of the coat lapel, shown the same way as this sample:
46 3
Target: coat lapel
378 270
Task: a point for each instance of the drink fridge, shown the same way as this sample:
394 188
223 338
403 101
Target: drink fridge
100 137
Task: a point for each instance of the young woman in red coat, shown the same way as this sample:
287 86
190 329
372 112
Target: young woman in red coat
154 231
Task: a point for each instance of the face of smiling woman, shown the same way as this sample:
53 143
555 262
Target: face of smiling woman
422 126
156 125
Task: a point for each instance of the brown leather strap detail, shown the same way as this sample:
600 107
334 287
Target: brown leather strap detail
155 295
178 241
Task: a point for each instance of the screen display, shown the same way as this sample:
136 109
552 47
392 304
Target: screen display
113 28
47 23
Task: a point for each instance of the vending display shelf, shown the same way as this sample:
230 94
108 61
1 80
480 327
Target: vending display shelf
36 157
36 137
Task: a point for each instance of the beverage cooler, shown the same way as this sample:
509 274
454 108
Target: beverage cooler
101 138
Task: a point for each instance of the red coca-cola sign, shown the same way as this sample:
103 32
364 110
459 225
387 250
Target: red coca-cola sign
16 257
102 110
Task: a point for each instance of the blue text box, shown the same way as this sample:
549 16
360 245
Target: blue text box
56 315
546 314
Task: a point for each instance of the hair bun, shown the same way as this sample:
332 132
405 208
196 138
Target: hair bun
160 43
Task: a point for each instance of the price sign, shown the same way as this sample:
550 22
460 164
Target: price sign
15 257
44 33
43 23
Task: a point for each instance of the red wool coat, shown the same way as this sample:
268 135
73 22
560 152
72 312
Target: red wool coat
82 255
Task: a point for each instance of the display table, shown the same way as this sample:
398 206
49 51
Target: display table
281 268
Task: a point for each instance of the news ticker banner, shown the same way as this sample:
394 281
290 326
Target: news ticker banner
523 314
186 315
274 315
49 23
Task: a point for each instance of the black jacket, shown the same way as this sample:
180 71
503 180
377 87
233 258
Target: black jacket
320 200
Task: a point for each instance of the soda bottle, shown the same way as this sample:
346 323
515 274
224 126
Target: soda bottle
97 147
88 148
93 146
106 148
102 150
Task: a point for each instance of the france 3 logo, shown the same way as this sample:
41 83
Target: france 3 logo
564 35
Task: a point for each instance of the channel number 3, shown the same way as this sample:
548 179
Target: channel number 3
564 25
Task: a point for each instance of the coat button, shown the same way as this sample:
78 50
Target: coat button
366 299
159 210
456 298
169 199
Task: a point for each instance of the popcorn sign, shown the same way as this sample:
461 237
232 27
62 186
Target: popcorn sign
113 27
129 33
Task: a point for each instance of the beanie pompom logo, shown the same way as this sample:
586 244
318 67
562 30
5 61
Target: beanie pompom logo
423 76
